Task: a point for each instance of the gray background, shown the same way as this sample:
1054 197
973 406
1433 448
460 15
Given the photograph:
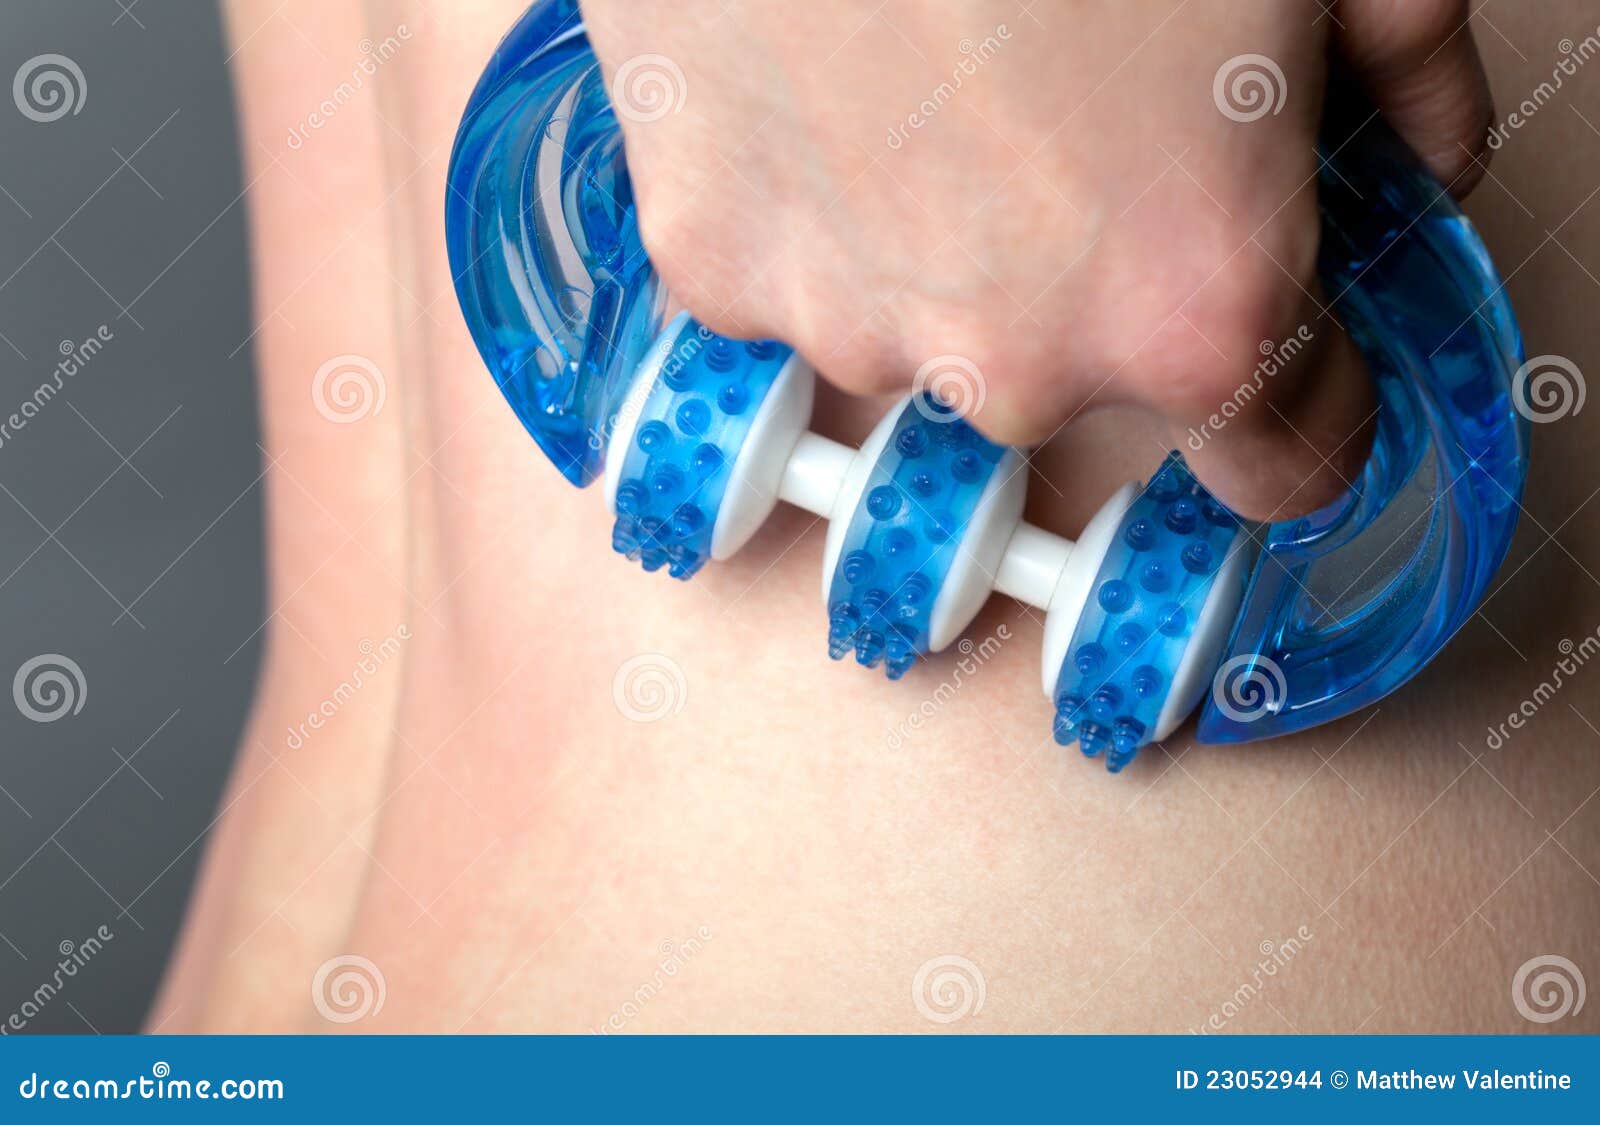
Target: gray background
130 513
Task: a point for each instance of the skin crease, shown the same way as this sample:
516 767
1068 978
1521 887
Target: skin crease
483 824
1178 240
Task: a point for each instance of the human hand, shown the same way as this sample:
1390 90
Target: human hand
1040 212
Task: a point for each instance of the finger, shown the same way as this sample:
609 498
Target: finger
1295 432
1419 63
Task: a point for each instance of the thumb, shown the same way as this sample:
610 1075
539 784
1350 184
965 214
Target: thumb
1418 62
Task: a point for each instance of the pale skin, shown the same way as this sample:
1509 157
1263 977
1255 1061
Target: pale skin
483 824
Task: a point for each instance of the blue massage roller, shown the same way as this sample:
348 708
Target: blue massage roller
1165 603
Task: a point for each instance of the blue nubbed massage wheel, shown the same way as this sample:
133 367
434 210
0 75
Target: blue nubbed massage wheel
1165 600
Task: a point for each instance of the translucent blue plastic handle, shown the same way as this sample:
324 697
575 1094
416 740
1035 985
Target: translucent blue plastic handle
1344 605
1347 604
543 242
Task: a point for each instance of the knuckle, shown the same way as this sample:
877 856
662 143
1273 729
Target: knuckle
1251 301
1244 314
854 348
1427 24
666 234
861 369
1401 28
687 247
689 256
966 352
1010 384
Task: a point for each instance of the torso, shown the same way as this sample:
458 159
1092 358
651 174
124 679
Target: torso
484 821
